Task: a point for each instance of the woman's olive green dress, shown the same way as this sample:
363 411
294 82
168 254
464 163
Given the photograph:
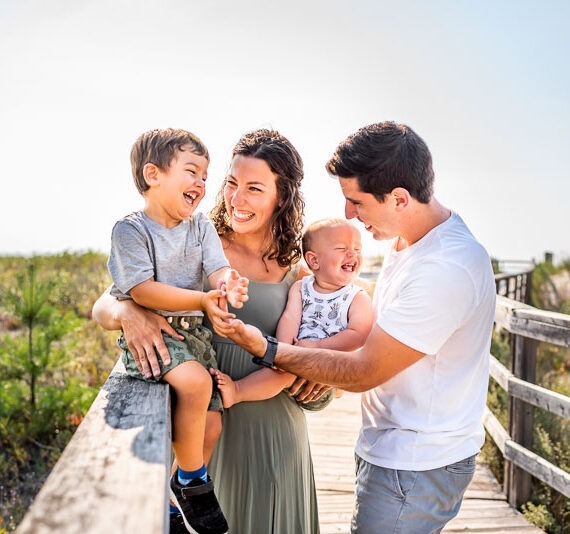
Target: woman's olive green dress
261 466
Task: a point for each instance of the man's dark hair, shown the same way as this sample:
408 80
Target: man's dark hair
384 156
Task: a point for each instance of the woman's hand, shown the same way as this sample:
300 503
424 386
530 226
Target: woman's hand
247 336
143 330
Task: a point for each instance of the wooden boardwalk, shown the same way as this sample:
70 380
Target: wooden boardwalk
333 433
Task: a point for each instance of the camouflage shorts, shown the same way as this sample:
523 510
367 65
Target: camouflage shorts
196 346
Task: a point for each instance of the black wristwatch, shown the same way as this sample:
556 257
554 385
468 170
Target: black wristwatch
270 352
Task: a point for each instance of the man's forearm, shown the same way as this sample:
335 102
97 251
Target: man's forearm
339 369
353 371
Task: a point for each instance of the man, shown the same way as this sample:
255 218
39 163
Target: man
424 366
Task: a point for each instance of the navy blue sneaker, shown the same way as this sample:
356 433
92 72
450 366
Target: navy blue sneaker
177 525
199 508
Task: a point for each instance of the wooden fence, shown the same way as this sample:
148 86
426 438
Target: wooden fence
526 326
118 461
515 286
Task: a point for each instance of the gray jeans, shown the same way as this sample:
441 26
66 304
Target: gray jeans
408 502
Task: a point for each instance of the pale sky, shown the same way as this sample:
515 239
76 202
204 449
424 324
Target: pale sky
485 83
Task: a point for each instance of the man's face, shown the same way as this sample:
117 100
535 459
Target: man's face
377 217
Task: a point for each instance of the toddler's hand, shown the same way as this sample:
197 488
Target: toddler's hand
236 288
214 304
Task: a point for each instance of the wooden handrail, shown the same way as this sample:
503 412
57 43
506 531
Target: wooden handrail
107 478
526 326
516 286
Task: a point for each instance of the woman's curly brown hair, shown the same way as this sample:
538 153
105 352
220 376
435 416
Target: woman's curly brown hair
287 220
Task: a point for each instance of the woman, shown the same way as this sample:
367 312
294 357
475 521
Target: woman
261 465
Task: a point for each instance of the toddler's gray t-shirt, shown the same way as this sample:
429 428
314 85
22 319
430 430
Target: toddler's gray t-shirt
179 256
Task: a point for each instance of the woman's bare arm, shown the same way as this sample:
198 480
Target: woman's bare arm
142 329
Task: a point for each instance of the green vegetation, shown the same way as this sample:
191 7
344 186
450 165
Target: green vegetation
53 360
548 509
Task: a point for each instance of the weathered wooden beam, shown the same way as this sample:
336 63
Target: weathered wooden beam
539 467
543 398
525 459
499 373
521 319
113 474
497 432
540 397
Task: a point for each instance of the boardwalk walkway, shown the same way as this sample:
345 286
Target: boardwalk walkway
333 433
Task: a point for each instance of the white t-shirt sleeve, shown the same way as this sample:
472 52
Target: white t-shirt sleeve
435 301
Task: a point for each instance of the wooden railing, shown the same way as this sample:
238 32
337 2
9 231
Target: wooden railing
112 476
526 326
515 285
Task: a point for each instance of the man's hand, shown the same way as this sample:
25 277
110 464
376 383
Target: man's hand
143 329
305 390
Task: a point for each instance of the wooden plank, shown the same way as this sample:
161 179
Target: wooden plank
495 430
543 398
541 331
540 397
525 459
538 467
524 320
484 507
113 474
499 372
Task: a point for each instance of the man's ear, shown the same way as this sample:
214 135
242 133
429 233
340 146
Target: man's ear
401 197
150 174
312 260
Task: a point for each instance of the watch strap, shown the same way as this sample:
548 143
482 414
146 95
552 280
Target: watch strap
267 359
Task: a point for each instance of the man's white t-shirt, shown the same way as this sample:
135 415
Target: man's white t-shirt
438 297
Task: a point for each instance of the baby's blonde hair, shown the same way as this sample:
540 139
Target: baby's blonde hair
312 230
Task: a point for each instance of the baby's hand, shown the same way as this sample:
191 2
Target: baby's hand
236 288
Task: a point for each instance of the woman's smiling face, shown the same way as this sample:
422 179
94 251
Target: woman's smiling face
250 195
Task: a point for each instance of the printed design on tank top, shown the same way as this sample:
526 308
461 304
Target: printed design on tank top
324 315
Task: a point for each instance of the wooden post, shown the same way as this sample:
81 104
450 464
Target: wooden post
528 288
548 258
521 419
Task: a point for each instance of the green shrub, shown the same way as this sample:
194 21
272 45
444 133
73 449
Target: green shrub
53 360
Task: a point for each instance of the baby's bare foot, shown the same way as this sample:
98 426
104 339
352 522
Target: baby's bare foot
227 388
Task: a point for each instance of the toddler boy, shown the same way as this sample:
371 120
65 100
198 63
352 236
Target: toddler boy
158 258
